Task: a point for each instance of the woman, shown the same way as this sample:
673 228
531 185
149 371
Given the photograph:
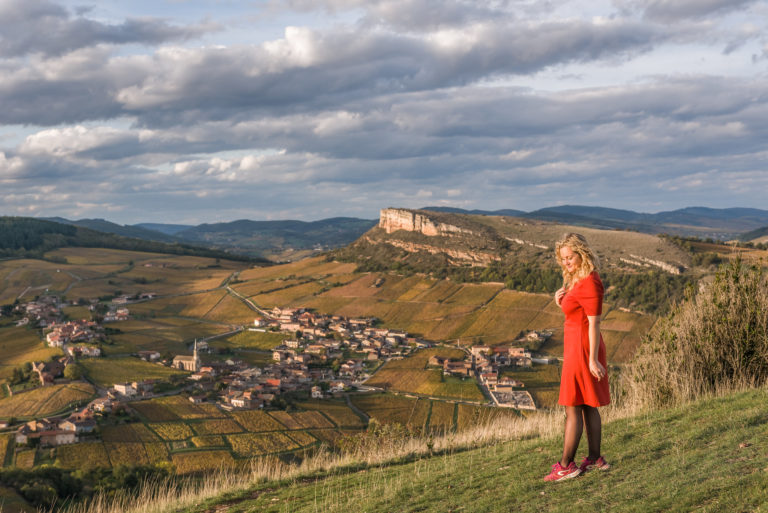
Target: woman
584 380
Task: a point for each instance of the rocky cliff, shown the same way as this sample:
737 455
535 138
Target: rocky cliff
393 219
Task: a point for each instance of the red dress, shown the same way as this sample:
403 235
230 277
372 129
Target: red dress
577 385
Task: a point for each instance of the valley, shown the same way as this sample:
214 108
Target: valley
293 358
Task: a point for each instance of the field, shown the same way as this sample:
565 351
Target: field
25 458
82 456
200 461
164 334
259 444
438 416
19 345
127 433
252 340
44 401
394 408
216 427
339 413
107 372
126 453
412 375
172 430
187 435
254 420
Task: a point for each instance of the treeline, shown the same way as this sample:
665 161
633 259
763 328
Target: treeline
48 486
25 237
687 242
651 291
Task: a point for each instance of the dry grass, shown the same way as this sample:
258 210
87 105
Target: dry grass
716 340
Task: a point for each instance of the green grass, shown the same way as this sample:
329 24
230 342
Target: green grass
264 341
709 456
108 371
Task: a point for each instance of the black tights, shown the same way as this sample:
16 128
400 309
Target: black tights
576 417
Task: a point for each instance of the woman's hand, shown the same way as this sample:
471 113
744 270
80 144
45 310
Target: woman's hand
597 369
559 295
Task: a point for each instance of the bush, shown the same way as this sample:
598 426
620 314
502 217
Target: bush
714 340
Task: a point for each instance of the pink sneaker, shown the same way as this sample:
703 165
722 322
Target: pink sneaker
559 472
599 464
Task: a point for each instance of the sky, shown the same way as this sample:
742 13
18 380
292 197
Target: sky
193 111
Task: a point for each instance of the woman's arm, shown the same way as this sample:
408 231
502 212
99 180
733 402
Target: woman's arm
595 367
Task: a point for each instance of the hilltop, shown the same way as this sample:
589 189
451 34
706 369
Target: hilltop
641 271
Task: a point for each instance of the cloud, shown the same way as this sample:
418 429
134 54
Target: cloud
497 104
671 11
304 71
43 27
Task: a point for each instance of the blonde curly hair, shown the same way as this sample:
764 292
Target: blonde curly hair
589 260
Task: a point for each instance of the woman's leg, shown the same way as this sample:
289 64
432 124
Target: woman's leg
574 425
594 426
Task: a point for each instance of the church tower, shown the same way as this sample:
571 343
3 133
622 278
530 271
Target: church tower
196 358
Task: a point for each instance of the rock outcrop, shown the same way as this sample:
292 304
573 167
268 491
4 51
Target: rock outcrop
647 262
393 219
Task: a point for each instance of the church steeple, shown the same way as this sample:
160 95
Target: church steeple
196 357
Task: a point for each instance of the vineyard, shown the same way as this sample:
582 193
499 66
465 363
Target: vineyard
44 401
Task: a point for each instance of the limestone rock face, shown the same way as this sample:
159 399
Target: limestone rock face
393 219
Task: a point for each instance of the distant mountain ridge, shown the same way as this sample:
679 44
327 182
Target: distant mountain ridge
27 237
725 223
291 239
168 229
274 237
283 239
102 225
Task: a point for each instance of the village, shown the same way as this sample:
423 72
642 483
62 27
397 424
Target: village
323 356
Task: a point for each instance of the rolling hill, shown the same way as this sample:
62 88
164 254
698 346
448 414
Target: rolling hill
284 240
26 237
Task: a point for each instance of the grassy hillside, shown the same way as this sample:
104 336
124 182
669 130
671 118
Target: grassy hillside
709 455
706 456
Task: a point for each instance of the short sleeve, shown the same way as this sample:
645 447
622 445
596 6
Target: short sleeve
590 295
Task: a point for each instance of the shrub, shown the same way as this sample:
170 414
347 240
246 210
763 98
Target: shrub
714 340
